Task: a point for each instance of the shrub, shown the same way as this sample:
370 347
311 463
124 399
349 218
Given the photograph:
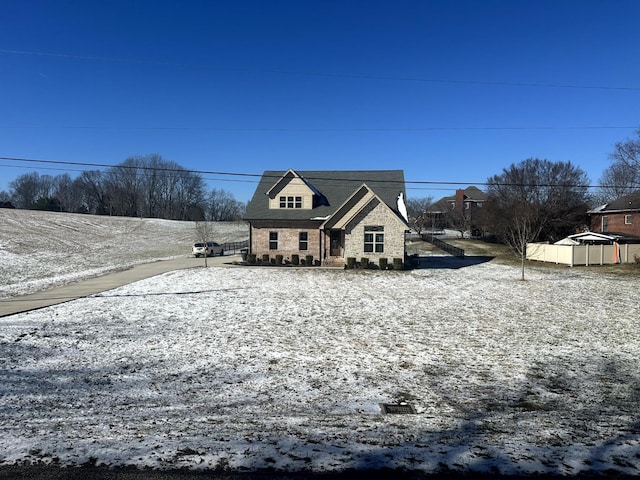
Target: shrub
279 259
308 260
384 263
265 258
364 263
295 259
398 264
351 262
251 258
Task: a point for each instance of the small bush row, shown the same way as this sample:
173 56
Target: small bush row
280 260
364 264
383 264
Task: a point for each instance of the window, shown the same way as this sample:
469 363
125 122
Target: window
273 240
627 219
290 202
374 239
303 241
605 224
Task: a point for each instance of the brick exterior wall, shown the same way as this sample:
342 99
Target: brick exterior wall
288 237
616 223
394 229
288 240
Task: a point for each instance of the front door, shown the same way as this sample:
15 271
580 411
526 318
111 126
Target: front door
335 249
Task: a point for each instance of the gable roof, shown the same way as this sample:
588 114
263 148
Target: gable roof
334 186
472 193
277 187
475 194
363 199
628 203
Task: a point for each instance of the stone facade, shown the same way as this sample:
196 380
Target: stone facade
379 216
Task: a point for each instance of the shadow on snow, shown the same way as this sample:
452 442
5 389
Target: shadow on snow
447 261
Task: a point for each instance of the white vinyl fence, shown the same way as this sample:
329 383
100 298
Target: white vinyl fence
583 254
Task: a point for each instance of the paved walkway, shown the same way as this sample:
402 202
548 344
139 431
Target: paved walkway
91 286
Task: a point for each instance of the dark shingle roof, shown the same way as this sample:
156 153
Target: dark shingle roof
474 193
336 186
444 204
628 202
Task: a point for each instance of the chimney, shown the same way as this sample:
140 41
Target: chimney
460 200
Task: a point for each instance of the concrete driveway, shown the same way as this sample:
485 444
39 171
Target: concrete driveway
91 286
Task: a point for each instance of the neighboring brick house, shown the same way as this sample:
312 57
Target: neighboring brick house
331 215
620 216
460 211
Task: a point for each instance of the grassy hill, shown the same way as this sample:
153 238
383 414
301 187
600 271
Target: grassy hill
41 249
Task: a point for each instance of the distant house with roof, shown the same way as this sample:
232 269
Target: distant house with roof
330 215
622 216
461 211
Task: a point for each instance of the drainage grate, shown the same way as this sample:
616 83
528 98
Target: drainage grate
402 408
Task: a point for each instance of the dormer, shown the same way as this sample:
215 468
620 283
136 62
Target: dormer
292 191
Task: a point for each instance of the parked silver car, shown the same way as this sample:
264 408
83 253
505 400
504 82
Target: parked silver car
207 248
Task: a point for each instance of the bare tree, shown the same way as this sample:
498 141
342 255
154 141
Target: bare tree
536 200
91 192
417 213
223 207
62 186
124 188
31 190
623 175
204 234
456 219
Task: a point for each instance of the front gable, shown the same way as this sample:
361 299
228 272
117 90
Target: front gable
363 200
292 191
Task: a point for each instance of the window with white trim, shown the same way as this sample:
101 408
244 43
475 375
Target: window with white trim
627 219
374 239
273 240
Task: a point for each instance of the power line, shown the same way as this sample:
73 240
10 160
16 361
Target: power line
257 176
319 74
321 130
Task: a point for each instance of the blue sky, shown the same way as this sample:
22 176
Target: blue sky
448 91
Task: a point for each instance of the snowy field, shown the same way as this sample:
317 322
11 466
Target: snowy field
45 249
248 368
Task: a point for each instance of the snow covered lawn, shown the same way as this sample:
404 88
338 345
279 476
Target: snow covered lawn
39 250
250 368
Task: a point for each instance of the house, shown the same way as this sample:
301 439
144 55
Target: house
622 216
330 215
461 211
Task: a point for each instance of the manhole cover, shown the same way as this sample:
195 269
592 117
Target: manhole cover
397 408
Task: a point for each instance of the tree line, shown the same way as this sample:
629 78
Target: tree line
533 200
141 186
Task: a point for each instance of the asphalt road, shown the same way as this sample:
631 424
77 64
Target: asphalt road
91 286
